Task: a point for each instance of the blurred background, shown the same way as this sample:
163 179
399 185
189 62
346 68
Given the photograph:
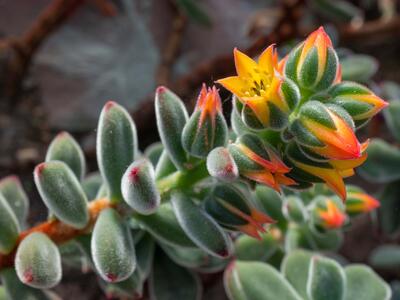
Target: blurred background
61 60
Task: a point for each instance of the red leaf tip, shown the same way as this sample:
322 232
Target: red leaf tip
39 168
161 89
111 277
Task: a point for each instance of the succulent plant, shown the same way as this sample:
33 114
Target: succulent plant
200 202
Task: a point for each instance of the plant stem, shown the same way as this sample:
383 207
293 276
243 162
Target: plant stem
182 179
57 231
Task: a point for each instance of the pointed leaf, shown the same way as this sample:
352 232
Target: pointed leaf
12 190
200 227
383 163
171 118
164 226
9 227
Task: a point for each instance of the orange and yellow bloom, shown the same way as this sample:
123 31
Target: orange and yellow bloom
258 85
330 216
359 202
259 162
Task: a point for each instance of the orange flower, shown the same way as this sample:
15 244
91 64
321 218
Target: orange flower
331 217
257 84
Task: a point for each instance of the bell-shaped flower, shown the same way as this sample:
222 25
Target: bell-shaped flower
331 172
326 131
265 95
206 128
259 162
229 206
313 65
328 214
359 202
359 101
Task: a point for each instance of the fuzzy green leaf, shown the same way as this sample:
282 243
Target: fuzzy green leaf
220 164
62 193
12 190
171 117
144 255
139 187
256 281
112 247
164 226
295 267
38 261
116 146
363 283
91 185
385 257
326 280
9 227
359 68
250 249
383 163
65 148
392 118
200 227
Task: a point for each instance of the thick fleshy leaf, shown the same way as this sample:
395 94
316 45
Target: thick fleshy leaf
383 163
153 152
338 10
385 257
12 190
250 249
169 281
392 118
256 281
38 261
139 189
363 283
65 148
220 164
112 247
62 193
9 227
116 146
200 227
171 118
16 290
144 255
195 258
164 166
294 209
164 226
359 68
130 287
270 202
390 206
295 267
326 279
91 185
